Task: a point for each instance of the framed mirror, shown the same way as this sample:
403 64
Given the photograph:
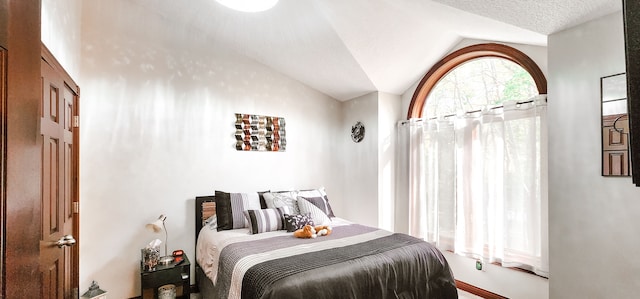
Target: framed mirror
615 126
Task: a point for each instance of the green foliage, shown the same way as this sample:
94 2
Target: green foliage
519 87
479 83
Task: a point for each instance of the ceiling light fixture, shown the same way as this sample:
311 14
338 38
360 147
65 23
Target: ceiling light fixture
249 5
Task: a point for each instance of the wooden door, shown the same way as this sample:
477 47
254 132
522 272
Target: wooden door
615 145
58 126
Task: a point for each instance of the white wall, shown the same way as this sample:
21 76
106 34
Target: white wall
389 113
593 220
61 32
369 166
157 125
359 161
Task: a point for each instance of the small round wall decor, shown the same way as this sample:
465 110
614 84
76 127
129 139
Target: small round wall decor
357 132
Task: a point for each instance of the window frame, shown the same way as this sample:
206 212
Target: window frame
457 58
453 60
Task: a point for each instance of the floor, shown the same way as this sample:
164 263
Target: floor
465 295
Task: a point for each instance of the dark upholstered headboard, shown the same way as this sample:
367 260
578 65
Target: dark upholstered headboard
205 208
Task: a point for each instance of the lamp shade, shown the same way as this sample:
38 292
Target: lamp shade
158 225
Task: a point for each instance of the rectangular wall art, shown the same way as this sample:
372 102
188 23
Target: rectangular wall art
260 133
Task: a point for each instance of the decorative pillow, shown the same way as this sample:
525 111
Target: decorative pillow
318 216
266 220
209 213
211 222
263 204
320 192
322 203
230 208
296 222
282 199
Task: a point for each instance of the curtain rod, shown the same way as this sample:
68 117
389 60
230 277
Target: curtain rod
404 122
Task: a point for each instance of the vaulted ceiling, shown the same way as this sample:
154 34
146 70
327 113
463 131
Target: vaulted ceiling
347 48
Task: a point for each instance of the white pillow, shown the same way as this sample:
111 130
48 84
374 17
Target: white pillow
318 216
212 222
312 193
275 200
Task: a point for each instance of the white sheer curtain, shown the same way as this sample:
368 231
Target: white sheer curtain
477 183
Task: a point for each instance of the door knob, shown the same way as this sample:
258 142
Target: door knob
67 240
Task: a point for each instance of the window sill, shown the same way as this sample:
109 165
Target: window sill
510 268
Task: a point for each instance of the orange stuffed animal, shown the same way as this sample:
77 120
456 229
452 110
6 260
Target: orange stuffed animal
310 232
323 230
306 232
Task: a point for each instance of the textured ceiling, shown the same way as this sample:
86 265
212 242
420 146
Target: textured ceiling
348 48
543 16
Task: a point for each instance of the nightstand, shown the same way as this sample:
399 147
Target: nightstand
174 273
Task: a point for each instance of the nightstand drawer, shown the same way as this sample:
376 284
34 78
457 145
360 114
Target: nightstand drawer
165 276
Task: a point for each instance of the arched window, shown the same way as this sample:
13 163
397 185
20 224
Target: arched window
471 59
477 156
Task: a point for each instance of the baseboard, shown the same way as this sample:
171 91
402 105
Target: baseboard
477 291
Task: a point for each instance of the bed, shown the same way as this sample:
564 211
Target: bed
354 261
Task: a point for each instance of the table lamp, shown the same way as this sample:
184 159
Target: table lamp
158 226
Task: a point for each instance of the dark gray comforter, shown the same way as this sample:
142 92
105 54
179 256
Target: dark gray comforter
355 261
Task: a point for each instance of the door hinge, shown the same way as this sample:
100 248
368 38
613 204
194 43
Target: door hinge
76 207
76 121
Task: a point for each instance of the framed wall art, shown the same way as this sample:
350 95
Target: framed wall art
260 133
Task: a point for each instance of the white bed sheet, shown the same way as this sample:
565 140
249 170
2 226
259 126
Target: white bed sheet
211 242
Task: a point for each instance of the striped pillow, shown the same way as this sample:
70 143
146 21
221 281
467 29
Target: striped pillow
319 217
266 220
230 208
322 203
